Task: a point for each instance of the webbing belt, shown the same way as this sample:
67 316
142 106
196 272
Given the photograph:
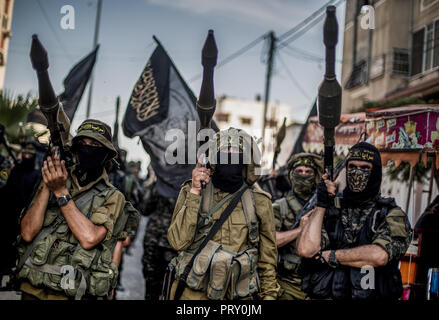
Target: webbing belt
80 202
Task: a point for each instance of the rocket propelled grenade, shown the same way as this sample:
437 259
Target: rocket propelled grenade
48 101
330 90
206 103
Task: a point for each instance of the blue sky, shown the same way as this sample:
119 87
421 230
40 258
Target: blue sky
126 43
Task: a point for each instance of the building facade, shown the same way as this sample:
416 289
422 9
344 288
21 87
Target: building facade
390 51
6 9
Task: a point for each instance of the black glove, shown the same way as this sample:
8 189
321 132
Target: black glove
324 199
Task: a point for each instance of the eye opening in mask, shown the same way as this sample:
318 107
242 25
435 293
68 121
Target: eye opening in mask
303 170
90 142
365 167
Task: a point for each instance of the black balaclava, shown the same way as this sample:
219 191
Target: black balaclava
91 162
28 164
356 180
228 177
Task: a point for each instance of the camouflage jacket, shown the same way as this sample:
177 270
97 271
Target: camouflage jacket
285 211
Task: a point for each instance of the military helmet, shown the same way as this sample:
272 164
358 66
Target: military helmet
98 131
237 138
311 160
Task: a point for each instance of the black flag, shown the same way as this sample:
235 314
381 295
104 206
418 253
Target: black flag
75 82
161 101
298 146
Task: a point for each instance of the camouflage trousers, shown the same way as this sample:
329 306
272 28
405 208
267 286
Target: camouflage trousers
157 253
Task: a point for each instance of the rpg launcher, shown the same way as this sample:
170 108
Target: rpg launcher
206 102
330 91
48 101
329 105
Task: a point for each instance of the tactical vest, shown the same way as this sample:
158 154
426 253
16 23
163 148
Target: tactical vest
217 271
343 282
289 260
56 260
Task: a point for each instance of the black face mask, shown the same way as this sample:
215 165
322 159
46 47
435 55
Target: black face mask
28 163
91 157
91 163
228 177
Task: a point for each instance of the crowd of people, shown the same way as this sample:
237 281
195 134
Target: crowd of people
66 225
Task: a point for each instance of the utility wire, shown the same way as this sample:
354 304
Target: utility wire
307 27
234 55
292 78
281 38
305 22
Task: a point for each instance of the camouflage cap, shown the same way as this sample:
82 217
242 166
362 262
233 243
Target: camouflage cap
311 160
98 131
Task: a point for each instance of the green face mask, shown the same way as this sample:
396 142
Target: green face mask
303 185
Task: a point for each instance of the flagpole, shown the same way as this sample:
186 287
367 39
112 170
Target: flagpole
95 42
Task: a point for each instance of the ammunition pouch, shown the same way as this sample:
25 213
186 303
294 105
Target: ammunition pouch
220 272
57 261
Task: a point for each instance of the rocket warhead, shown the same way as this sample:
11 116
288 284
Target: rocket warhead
209 53
38 55
330 28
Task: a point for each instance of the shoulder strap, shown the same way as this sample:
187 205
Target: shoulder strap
207 198
283 208
249 208
226 213
82 200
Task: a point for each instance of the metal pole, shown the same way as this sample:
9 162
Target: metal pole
430 187
267 84
411 178
95 43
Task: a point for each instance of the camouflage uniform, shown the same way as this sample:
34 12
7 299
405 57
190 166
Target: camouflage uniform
107 214
285 212
393 234
235 236
288 274
157 252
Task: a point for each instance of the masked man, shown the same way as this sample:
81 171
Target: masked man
239 262
71 228
353 241
304 171
16 196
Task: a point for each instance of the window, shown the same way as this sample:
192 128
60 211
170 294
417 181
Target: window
358 76
425 51
436 45
222 117
5 22
417 52
246 121
400 61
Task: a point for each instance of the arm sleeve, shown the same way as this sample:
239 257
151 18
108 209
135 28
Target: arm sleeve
132 223
393 234
267 261
107 214
181 232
